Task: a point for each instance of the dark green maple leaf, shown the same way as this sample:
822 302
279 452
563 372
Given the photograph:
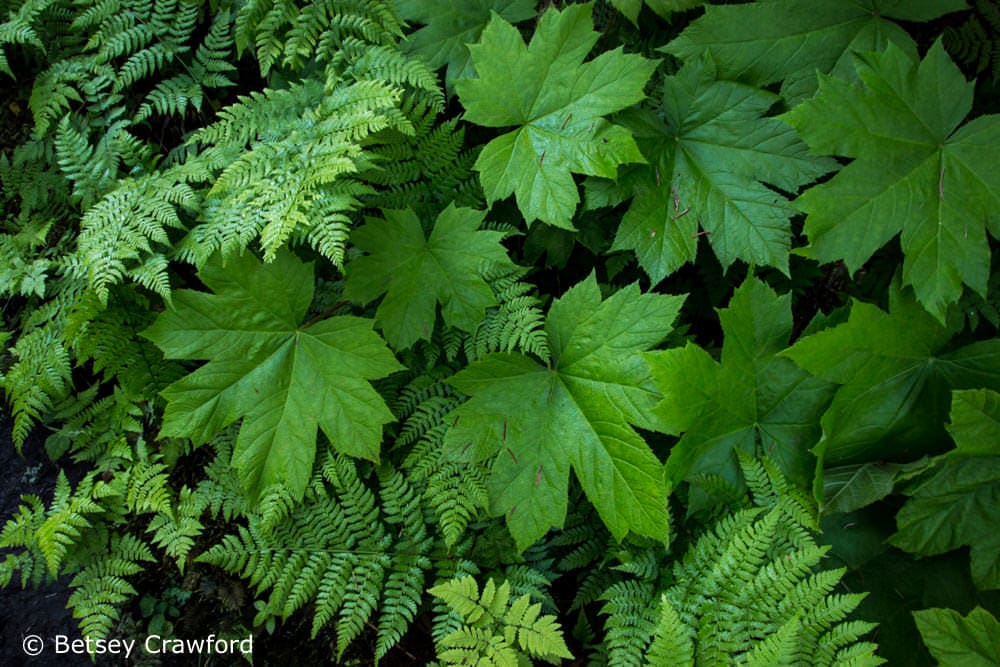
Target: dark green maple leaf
537 422
557 104
958 503
768 41
752 400
896 370
916 173
416 272
711 150
631 8
449 27
281 378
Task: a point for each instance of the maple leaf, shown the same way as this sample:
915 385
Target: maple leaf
557 102
915 173
751 400
710 151
896 370
415 272
956 505
281 378
768 41
449 27
664 8
538 422
953 639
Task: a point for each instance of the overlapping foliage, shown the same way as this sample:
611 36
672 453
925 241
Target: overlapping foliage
488 322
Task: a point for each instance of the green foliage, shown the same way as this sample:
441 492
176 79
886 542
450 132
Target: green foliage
955 504
496 629
753 400
895 370
266 368
712 155
450 27
558 105
918 149
536 423
417 272
787 41
960 640
341 550
265 286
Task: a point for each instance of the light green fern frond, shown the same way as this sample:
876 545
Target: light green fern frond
129 226
497 629
748 590
297 176
351 553
516 323
100 588
39 377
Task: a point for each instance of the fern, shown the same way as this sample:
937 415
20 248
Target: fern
20 29
425 170
292 34
38 378
496 629
100 588
975 42
454 490
517 323
275 189
210 69
746 590
340 551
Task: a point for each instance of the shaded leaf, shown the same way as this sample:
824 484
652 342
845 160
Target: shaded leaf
281 378
536 422
557 103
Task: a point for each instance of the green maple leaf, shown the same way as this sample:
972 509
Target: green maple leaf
664 8
953 639
710 151
915 173
451 26
752 400
896 370
416 272
958 504
538 422
281 378
765 42
557 104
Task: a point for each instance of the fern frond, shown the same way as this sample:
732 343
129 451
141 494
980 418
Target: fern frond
39 377
516 323
126 226
631 609
100 588
496 629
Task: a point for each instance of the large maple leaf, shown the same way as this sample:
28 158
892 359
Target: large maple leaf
538 422
752 400
895 370
283 379
449 27
790 40
956 505
557 103
416 272
916 173
710 151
